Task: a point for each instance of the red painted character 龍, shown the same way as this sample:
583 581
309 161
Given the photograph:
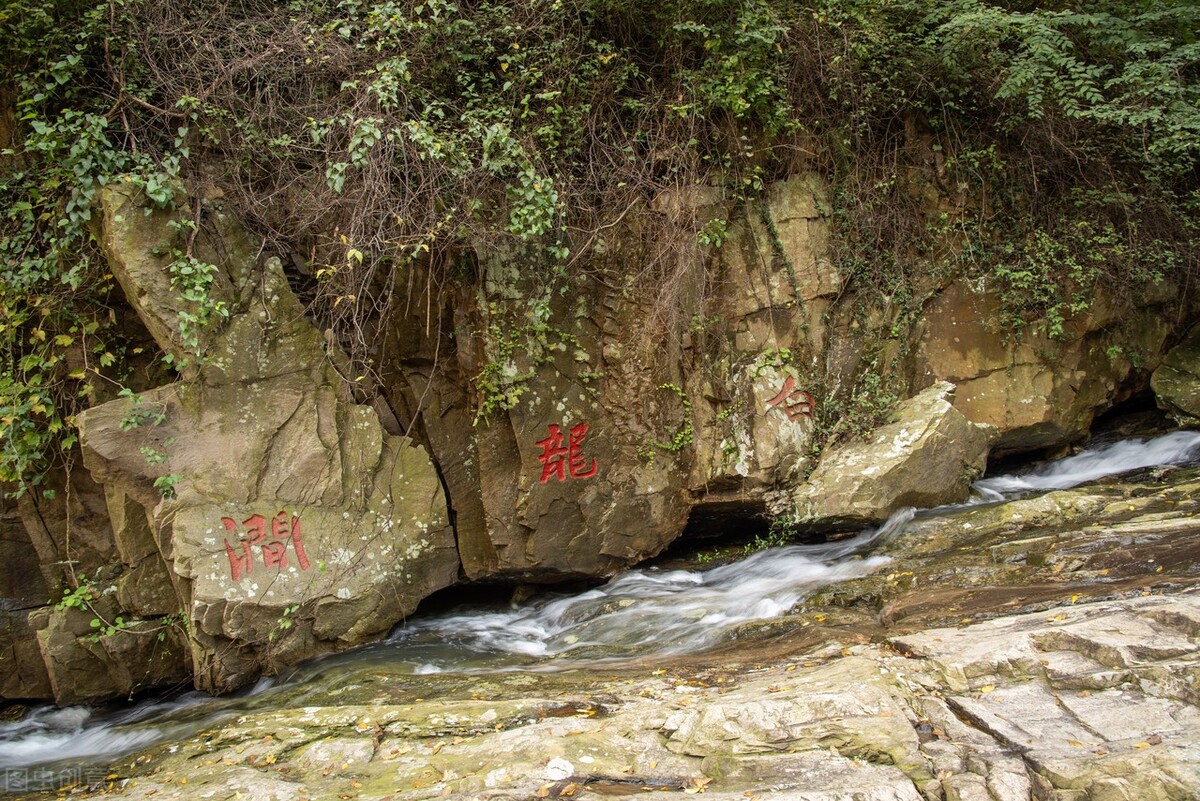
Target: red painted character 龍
562 457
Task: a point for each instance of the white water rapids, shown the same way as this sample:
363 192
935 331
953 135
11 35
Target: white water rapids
642 612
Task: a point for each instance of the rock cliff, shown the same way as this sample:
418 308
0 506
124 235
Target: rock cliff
269 506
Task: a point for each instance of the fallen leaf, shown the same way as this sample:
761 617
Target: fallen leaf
987 688
1142 744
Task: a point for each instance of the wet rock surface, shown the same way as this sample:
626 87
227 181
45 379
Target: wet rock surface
1043 648
1097 700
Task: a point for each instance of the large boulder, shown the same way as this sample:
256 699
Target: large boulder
287 521
1176 382
927 456
90 663
583 454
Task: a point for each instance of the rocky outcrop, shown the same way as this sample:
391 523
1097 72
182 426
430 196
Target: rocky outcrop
927 456
1088 701
1085 701
561 456
23 589
87 663
1176 382
255 496
531 424
1039 391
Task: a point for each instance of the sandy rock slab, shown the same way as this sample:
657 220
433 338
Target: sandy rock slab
1099 700
1084 702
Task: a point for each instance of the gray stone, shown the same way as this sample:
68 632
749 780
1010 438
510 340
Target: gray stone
927 456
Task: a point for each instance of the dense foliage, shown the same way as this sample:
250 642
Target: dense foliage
1062 139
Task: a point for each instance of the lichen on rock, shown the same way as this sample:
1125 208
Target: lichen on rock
290 522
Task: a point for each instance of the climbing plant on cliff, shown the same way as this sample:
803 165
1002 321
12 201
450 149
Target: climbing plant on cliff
53 292
1068 130
360 137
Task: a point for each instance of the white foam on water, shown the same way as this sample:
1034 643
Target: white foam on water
654 611
1095 463
639 613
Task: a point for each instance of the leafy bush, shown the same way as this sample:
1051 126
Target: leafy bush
1059 145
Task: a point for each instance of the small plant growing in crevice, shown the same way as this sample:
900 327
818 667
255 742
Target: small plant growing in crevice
142 413
685 434
782 530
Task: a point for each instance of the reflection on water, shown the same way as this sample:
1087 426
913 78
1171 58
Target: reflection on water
639 613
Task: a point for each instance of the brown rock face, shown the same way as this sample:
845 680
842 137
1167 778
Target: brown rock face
1176 382
1038 391
533 424
256 496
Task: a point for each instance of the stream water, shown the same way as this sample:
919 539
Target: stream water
642 612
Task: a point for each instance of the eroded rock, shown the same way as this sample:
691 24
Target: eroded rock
927 456
1039 390
1176 382
289 521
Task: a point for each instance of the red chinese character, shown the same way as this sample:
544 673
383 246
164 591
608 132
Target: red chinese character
575 458
559 460
796 402
553 451
274 551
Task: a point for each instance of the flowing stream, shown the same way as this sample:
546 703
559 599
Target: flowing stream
642 612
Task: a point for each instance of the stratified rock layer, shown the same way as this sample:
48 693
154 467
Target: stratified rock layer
289 522
1091 701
